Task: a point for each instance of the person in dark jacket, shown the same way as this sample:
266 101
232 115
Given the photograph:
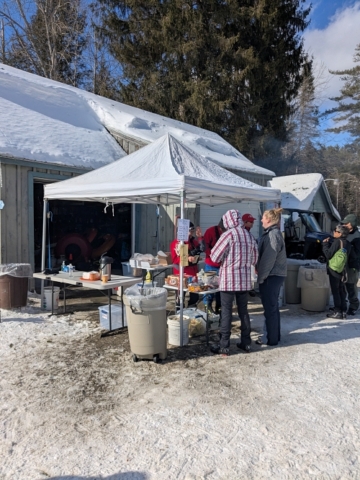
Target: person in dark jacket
272 270
337 280
353 267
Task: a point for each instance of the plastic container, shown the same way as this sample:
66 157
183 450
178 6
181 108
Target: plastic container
173 322
14 284
292 292
127 270
13 291
116 316
315 290
48 301
146 318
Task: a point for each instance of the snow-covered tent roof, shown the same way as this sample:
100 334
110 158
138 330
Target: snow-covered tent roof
298 191
48 121
157 174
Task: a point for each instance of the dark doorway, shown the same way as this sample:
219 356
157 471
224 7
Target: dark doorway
81 232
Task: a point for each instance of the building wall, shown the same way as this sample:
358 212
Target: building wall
17 216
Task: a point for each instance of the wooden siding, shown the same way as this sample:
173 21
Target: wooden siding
128 144
17 217
146 226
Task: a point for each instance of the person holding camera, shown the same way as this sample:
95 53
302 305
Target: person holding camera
194 252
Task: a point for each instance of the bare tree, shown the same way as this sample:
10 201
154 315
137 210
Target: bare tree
46 37
302 127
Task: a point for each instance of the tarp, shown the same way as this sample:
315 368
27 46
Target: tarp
157 173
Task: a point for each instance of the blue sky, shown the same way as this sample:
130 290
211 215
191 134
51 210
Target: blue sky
331 39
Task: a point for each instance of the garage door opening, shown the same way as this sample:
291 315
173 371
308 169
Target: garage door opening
81 232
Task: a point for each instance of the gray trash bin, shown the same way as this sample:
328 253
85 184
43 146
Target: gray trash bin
315 291
146 318
292 292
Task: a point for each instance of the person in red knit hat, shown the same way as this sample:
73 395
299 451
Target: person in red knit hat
248 220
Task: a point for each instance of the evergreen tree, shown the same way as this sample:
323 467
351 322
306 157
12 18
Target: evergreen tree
231 67
346 113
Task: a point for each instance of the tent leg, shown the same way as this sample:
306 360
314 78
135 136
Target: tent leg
133 219
43 251
181 279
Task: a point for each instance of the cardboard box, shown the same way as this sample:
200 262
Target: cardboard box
174 280
165 259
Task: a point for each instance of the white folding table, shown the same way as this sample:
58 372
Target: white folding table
77 280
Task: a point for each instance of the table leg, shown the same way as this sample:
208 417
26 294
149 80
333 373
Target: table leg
207 324
122 306
109 297
52 297
64 298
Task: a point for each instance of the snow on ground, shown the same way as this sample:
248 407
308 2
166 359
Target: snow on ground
49 121
75 406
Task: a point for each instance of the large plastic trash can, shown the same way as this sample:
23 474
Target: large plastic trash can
14 278
146 318
292 292
314 284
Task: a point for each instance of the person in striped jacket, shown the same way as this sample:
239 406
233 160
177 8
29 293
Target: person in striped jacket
236 251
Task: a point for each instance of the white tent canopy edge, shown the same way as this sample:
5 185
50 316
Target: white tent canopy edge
164 172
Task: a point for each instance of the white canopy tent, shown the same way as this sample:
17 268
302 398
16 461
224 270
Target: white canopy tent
162 173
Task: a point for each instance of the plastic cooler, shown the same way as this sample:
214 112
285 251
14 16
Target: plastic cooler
314 284
146 318
14 279
116 316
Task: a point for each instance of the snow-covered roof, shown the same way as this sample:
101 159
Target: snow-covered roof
44 120
298 191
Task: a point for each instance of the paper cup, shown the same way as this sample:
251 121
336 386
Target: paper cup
105 278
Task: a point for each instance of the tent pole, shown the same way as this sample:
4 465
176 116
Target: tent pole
133 219
182 196
43 249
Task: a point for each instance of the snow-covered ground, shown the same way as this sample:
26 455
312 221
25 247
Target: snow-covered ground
75 406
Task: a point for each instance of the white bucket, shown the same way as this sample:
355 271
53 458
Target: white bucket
173 322
47 298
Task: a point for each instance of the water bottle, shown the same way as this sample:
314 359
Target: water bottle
71 270
63 266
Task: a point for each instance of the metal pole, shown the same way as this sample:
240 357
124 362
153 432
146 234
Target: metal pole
133 219
43 249
181 269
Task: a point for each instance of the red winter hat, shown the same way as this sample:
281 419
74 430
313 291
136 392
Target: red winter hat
247 217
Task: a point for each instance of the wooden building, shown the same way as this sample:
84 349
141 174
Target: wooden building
40 126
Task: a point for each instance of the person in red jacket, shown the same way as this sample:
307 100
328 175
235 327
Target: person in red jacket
211 236
192 268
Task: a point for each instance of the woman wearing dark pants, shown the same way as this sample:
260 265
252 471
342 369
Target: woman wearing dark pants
337 280
269 291
272 269
241 299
